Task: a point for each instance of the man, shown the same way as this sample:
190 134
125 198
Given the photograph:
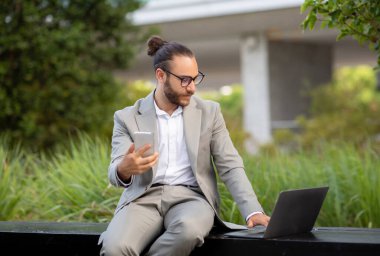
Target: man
170 199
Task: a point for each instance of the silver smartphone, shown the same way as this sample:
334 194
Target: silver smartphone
143 138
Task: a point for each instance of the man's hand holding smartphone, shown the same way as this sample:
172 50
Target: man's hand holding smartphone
139 158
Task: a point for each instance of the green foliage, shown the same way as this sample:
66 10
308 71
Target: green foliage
56 59
132 92
74 184
348 109
11 169
358 18
71 184
351 173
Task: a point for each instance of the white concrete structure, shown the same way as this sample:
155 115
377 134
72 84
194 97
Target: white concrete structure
257 43
254 53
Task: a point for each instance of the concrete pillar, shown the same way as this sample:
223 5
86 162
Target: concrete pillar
277 77
255 79
295 68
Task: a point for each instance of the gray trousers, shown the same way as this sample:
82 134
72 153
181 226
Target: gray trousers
166 220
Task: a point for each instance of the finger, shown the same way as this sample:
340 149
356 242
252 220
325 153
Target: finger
143 149
131 149
143 168
250 223
265 223
149 160
267 220
258 219
264 220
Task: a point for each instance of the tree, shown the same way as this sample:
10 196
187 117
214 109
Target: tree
358 18
56 62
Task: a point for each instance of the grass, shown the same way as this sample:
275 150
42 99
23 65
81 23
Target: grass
352 174
10 180
72 185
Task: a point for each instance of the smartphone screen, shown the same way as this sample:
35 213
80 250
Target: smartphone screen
143 138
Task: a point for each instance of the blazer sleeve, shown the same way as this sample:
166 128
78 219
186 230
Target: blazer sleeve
121 141
230 167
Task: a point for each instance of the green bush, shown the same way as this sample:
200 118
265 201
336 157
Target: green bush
56 63
346 109
131 92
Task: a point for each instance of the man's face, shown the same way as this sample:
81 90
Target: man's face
173 90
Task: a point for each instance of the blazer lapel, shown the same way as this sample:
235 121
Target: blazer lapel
146 120
192 126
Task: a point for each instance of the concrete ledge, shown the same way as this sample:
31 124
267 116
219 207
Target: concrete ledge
49 238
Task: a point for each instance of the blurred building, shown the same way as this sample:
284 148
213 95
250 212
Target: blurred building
256 43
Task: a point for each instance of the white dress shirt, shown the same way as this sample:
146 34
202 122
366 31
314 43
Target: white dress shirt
173 164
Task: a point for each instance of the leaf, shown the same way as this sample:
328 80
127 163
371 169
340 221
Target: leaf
325 23
334 16
305 23
331 4
306 4
312 19
341 35
366 28
377 46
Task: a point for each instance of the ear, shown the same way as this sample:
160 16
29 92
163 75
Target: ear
160 75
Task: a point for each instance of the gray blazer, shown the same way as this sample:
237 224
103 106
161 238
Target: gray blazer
208 142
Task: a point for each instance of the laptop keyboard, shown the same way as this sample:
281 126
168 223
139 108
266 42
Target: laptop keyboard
257 229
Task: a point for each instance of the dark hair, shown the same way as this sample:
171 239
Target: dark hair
163 51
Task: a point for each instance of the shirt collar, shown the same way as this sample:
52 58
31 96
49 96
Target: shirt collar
160 112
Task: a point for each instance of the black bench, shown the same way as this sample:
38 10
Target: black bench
47 238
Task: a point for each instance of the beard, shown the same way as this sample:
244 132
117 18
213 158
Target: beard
174 97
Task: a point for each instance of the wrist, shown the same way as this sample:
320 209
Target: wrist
252 214
122 175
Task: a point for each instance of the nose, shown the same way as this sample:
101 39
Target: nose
191 88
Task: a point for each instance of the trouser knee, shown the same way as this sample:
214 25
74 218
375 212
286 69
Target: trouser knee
190 232
116 248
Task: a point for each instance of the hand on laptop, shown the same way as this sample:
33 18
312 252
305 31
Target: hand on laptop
258 219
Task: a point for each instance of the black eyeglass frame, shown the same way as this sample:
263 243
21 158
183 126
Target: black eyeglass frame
183 78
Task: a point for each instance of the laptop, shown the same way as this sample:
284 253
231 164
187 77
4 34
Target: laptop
295 212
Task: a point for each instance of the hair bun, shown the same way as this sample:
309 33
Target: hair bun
154 44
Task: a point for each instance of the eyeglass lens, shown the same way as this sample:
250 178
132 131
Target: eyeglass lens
187 80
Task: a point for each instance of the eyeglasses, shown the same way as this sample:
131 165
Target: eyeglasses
186 80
